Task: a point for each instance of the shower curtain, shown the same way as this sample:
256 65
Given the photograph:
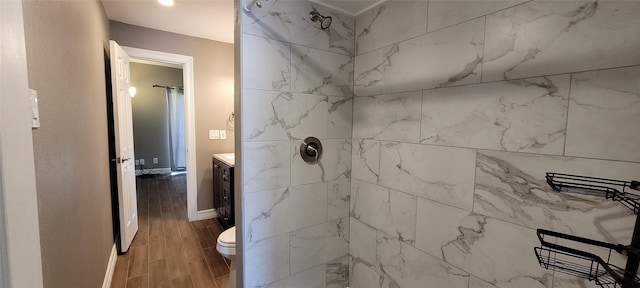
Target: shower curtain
175 98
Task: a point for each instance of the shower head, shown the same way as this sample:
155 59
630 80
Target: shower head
325 21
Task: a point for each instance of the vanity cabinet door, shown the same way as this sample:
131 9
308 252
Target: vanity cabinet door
223 193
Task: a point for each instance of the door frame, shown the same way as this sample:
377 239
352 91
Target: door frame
20 257
189 114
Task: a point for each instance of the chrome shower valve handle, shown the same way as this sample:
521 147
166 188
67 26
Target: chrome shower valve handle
311 150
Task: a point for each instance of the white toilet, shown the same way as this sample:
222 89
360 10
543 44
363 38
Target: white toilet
227 247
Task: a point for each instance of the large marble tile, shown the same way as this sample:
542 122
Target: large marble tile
362 275
527 115
362 242
553 37
319 244
442 174
448 57
512 187
475 282
267 260
288 21
561 280
437 224
341 33
334 164
369 72
312 278
604 113
338 273
389 23
266 63
495 251
338 195
393 117
407 266
273 115
261 121
444 13
365 160
316 71
272 212
269 165
387 210
340 117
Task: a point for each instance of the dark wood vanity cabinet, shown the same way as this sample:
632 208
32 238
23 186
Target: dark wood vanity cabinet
223 193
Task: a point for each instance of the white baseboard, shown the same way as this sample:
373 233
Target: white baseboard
206 214
108 276
153 171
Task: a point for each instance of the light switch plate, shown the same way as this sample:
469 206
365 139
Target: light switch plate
35 114
214 134
223 134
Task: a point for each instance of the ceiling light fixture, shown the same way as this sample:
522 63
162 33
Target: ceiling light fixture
166 2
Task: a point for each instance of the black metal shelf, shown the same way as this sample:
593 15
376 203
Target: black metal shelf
585 264
616 190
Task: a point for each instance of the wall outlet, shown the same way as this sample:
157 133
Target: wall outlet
155 160
223 134
214 134
141 161
137 162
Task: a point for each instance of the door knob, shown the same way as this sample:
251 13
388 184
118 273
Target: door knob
120 160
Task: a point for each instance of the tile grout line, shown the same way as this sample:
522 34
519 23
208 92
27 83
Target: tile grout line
566 122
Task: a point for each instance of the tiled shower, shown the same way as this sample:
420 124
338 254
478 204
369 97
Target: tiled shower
438 120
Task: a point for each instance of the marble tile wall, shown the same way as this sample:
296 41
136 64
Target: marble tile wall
457 116
297 82
439 120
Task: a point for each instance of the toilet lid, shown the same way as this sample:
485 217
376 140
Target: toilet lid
228 237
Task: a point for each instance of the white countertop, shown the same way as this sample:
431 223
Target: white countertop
227 158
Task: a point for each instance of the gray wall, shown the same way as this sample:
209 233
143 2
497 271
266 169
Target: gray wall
457 116
213 72
151 112
65 44
295 214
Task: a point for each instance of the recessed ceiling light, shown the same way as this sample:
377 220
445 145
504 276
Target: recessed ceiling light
166 2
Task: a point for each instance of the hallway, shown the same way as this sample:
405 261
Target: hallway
168 251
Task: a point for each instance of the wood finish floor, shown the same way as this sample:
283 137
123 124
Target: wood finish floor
168 251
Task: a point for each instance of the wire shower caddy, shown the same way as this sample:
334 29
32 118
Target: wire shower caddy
584 264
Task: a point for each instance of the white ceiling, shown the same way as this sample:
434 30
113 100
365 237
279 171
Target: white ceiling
210 19
349 7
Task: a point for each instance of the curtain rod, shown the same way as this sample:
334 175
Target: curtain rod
166 87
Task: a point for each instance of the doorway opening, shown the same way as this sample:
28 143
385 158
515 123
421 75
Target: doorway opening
167 103
158 118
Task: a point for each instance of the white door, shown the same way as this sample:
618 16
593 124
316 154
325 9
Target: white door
121 81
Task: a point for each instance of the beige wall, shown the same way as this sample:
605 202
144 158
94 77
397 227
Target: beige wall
213 73
65 44
20 262
151 112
